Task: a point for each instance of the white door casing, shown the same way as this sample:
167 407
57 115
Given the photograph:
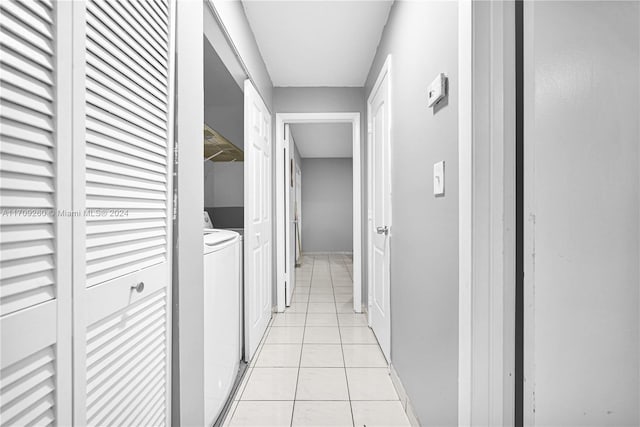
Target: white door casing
290 279
379 124
257 212
123 146
298 212
281 208
35 183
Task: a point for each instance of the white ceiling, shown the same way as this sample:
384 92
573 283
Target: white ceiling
317 43
322 140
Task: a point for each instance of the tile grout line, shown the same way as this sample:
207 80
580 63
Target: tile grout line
304 330
344 362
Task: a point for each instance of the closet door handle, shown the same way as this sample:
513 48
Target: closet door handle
138 287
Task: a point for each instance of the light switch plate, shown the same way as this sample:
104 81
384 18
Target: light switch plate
438 179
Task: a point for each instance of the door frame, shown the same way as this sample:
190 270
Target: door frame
385 72
282 202
487 216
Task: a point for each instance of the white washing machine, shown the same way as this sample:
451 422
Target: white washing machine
222 339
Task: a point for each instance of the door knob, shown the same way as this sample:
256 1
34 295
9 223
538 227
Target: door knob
382 230
138 287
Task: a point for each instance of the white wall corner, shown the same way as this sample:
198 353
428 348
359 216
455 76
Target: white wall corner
487 213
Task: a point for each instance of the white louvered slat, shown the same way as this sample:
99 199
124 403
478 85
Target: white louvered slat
128 103
40 9
13 25
17 96
119 21
126 362
160 10
22 13
100 176
117 162
17 44
26 82
27 169
103 23
17 164
127 147
108 64
25 115
126 112
26 150
28 390
111 50
143 28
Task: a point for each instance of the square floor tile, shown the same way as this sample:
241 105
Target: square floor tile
321 335
381 414
321 307
321 290
343 290
321 413
285 335
322 384
271 384
363 356
289 319
357 335
279 356
344 307
297 307
322 356
322 319
371 384
301 290
300 298
352 319
321 298
344 298
265 414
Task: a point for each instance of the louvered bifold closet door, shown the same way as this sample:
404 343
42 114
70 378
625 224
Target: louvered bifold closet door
127 229
35 286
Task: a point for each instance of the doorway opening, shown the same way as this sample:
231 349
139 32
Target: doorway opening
289 233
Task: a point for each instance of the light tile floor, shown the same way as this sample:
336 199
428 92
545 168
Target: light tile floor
319 364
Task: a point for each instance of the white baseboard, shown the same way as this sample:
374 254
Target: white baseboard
404 398
327 253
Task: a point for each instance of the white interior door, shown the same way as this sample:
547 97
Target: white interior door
122 245
35 182
257 220
380 200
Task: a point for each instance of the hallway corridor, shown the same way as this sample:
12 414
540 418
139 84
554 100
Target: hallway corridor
319 364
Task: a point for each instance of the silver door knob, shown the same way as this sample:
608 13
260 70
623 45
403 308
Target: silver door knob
138 287
382 230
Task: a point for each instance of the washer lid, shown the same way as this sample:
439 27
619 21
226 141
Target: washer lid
215 239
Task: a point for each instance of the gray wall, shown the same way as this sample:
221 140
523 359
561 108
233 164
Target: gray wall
583 191
223 184
422 38
327 205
